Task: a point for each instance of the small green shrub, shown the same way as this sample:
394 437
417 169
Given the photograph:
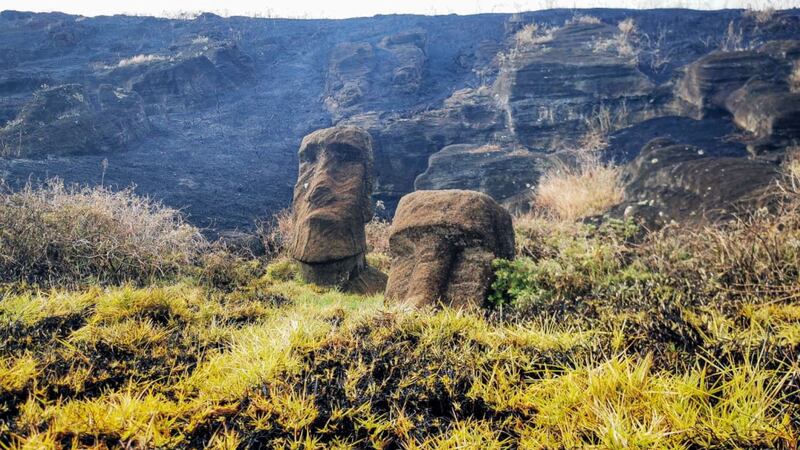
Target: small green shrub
600 272
563 269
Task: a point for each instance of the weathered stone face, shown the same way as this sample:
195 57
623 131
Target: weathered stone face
442 245
332 204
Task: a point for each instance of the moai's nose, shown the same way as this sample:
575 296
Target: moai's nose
433 263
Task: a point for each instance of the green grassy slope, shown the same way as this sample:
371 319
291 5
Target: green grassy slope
604 338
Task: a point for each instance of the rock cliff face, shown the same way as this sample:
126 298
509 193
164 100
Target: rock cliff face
67 120
206 114
507 174
550 87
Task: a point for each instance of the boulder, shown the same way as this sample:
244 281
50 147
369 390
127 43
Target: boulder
709 81
769 111
442 244
676 182
500 172
332 203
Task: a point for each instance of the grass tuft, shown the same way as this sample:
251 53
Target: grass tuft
57 234
572 193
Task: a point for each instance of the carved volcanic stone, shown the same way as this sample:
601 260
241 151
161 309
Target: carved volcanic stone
769 111
442 245
362 76
332 202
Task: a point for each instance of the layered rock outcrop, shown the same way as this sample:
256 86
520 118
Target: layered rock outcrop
709 81
332 203
679 182
753 87
552 85
504 173
442 244
68 120
769 111
195 79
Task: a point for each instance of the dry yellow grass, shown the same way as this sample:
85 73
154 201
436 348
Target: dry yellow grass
378 236
276 233
533 34
589 188
791 169
600 123
584 19
761 16
625 43
57 232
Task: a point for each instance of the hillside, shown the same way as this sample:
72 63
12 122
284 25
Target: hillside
207 114
550 230
592 338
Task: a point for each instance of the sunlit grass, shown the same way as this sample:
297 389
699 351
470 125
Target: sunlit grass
280 363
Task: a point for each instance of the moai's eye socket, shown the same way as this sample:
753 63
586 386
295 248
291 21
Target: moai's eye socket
309 154
402 244
345 152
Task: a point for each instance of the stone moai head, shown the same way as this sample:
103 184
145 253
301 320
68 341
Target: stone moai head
442 244
332 203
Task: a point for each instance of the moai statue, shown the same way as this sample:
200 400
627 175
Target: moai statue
442 244
332 203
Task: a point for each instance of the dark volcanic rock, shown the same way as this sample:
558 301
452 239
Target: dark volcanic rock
767 110
678 182
196 81
550 89
332 203
502 173
362 76
715 135
228 100
442 245
65 120
403 145
711 79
